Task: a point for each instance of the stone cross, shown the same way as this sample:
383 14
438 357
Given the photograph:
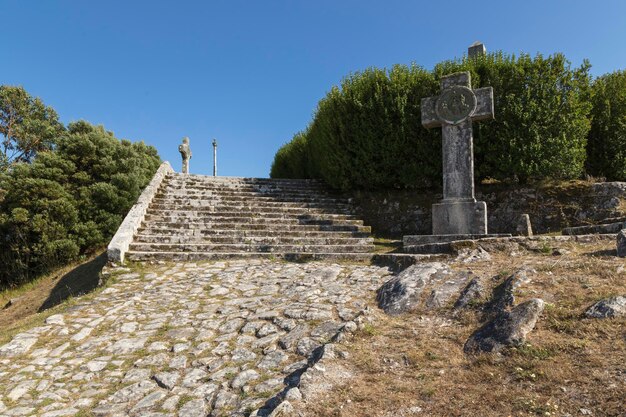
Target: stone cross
185 153
454 110
476 49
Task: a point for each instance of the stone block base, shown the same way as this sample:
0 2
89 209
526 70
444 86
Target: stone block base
460 218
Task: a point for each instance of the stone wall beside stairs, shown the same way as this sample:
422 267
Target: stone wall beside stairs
120 243
553 207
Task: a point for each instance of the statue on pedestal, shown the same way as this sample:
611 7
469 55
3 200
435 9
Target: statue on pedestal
185 153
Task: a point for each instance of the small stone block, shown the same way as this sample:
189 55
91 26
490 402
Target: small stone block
524 228
460 218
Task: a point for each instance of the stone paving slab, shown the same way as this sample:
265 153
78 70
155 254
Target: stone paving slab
185 339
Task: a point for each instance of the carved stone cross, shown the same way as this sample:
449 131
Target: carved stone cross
454 110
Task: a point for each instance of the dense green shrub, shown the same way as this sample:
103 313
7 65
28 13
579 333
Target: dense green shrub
541 115
606 148
69 200
368 134
291 159
27 125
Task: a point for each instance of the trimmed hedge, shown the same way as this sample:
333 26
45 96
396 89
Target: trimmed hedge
541 116
367 133
607 139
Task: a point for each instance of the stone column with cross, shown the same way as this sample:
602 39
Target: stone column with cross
454 110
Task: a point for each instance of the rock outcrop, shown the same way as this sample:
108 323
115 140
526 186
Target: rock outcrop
508 328
609 307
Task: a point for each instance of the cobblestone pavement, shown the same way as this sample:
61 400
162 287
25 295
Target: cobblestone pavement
225 338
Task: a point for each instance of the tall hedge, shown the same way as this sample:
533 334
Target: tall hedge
367 133
291 159
69 200
606 148
541 115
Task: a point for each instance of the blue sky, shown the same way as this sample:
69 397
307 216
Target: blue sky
250 73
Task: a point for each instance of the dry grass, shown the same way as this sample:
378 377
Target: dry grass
570 366
37 299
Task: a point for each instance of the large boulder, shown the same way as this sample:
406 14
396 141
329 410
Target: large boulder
609 307
507 328
402 293
621 243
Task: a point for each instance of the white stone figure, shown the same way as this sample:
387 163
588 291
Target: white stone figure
185 153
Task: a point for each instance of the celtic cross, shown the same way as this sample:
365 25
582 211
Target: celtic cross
454 110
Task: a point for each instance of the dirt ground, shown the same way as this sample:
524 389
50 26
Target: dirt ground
49 291
414 365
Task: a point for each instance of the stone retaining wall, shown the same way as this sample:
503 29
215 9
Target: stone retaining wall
551 207
124 236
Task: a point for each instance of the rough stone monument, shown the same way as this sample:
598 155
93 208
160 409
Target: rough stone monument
454 110
185 153
476 49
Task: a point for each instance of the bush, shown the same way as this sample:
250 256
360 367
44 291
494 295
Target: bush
69 200
291 159
606 147
367 134
541 116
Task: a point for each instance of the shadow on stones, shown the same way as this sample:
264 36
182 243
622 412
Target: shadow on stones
78 281
290 381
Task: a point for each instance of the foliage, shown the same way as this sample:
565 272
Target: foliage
606 147
69 200
541 116
367 133
291 159
27 124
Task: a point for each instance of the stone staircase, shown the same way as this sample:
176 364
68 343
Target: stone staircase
201 217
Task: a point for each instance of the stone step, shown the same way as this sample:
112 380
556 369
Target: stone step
260 202
240 180
229 248
186 233
209 210
248 191
149 228
206 216
248 200
413 240
607 228
255 240
392 260
274 188
249 220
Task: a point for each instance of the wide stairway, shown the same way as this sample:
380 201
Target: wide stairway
201 217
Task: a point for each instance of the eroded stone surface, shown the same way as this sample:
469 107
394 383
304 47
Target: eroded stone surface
609 307
508 328
621 243
403 292
184 339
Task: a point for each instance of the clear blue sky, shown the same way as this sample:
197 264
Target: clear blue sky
250 73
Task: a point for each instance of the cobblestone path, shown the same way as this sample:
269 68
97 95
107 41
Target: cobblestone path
226 338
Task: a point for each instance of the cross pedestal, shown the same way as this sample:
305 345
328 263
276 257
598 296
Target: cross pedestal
454 110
